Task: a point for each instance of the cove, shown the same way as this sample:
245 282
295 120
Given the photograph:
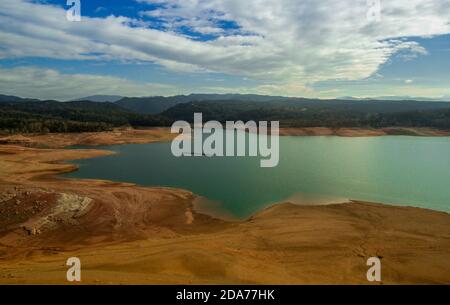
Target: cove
398 170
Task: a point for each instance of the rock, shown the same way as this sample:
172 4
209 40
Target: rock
32 231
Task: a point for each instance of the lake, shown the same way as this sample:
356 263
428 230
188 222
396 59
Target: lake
400 170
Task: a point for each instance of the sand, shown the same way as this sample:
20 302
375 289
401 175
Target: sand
124 233
117 136
160 134
363 132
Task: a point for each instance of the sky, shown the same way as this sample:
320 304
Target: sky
304 48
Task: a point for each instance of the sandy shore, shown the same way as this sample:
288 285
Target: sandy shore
140 136
125 233
117 136
364 132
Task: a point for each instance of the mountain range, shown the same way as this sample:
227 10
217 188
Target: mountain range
32 115
99 98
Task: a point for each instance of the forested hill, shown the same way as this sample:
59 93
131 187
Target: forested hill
158 104
11 98
24 115
79 116
314 113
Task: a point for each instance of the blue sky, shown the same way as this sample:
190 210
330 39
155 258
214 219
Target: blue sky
307 48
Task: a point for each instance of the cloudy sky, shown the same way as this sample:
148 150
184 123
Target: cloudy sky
311 48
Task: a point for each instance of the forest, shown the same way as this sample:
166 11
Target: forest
35 116
80 116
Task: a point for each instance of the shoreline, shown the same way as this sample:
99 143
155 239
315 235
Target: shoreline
163 134
364 132
123 220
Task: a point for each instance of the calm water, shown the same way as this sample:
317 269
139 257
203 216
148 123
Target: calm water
393 169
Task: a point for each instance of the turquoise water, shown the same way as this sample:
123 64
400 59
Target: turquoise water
397 170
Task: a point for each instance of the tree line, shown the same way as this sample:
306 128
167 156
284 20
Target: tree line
86 116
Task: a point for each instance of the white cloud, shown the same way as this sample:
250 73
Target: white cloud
293 43
41 83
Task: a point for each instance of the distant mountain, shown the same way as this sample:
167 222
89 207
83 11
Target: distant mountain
77 116
320 113
12 98
305 106
26 115
150 105
239 97
100 98
397 98
158 104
